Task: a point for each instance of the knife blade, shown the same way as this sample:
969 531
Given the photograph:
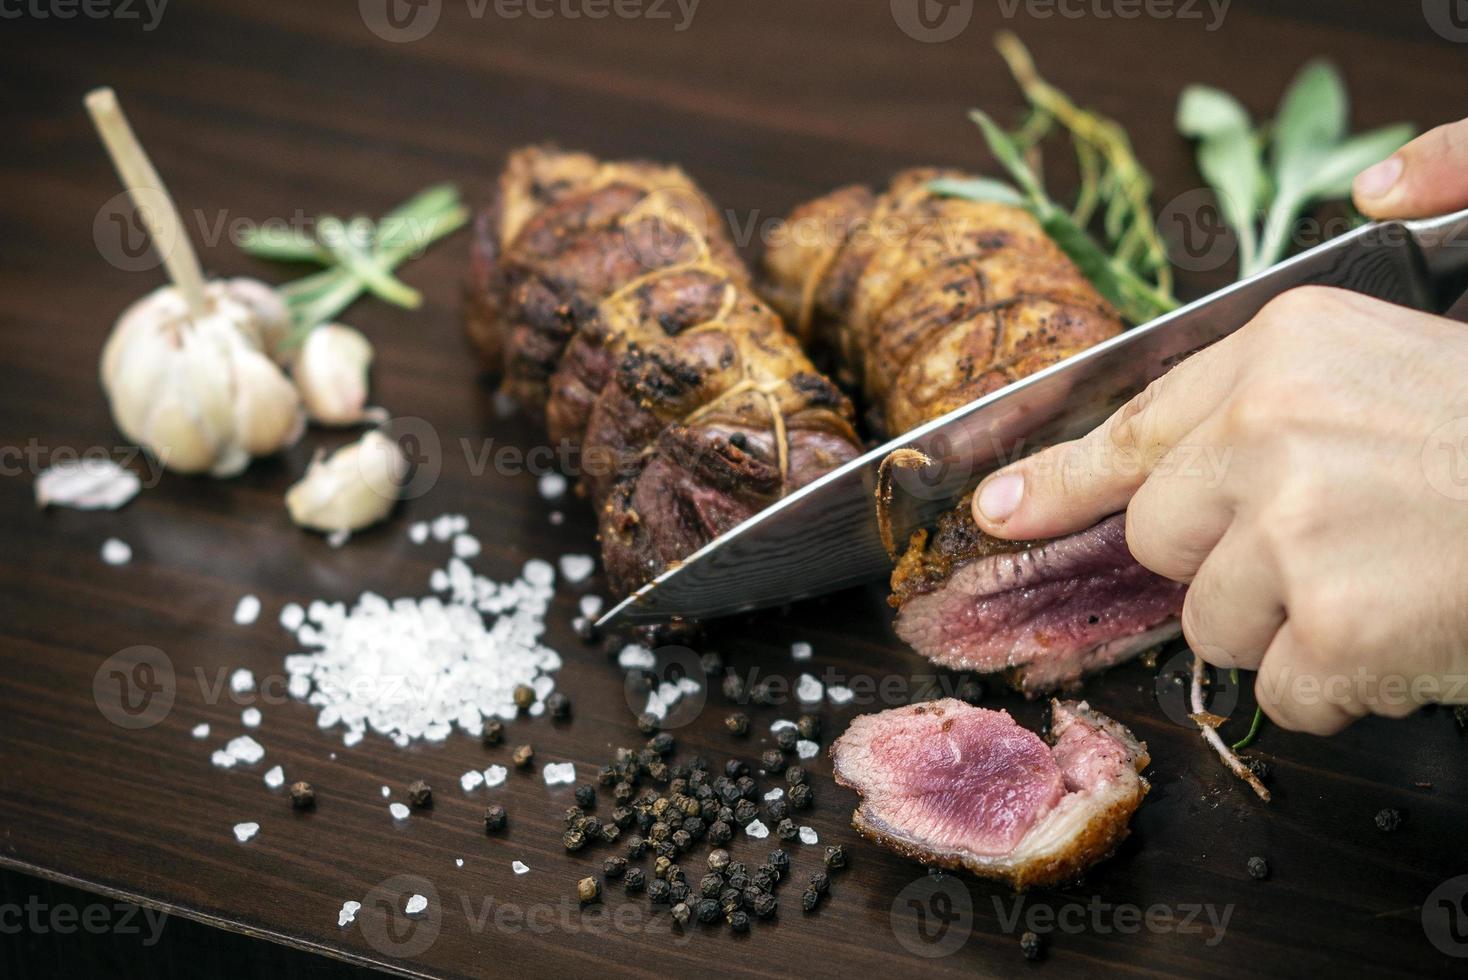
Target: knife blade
825 537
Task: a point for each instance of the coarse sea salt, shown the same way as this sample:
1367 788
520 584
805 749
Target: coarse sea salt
839 694
418 532
801 650
415 905
247 610
774 794
242 681
292 616
471 780
415 668
458 862
348 913
399 811
519 867
559 773
495 776
386 792
552 486
590 606
635 656
757 830
275 777
577 568
116 552
807 749
467 546
808 836
779 723
241 749
200 730
244 831
86 484
808 690
250 717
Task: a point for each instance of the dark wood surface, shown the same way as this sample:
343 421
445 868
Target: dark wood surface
253 111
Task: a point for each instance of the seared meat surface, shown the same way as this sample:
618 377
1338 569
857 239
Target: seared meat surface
927 303
611 299
957 786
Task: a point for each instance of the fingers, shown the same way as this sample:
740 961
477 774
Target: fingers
1073 485
1177 517
1424 178
1233 610
1298 692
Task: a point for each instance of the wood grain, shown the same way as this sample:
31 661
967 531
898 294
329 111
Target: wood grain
263 110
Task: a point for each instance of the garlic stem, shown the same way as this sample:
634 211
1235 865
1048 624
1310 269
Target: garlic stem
150 197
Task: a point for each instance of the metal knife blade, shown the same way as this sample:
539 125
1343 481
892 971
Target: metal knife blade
824 537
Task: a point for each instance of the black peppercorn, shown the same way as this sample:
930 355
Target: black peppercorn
614 867
721 833
736 868
747 787
726 814
588 889
737 880
610 832
682 913
718 859
494 732
1030 944
574 839
809 726
495 818
777 810
786 739
835 856
745 812
730 899
1258 868
303 796
708 911
682 840
574 816
634 880
636 847
735 768
765 905
660 867
764 879
1388 819
695 828
558 705
590 826
659 772
657 892
772 761
523 756
659 831
710 885
665 849
796 775
586 796
779 860
733 687
622 792
524 696
801 796
820 881
809 899
647 723
678 891
737 723
786 830
623 816
739 921
1262 770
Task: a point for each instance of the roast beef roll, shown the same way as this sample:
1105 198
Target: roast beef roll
926 303
611 300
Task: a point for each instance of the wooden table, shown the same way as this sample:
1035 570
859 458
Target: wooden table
281 107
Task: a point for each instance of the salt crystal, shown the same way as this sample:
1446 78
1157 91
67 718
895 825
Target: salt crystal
245 749
386 792
275 777
351 738
556 518
636 656
223 759
86 484
292 616
458 862
471 780
808 836
418 533
577 568
443 527
808 690
416 904
244 831
348 913
807 749
338 537
200 731
756 830
250 717
247 611
242 681
591 606
552 486
466 546
495 776
439 580
800 650
539 572
559 773
780 723
774 794
519 867
839 694
115 552
399 811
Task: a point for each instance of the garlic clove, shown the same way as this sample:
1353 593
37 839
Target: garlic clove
352 488
267 409
331 374
267 314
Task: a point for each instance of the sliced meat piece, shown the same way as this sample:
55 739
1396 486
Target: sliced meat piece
956 786
1048 612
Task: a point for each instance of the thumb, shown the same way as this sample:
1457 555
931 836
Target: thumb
1428 176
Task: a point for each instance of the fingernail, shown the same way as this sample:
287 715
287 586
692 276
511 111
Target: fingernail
1379 178
999 498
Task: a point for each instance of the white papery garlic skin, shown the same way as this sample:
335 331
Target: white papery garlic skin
352 488
331 374
203 394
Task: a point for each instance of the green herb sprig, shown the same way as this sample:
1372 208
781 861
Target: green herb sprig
1265 177
359 256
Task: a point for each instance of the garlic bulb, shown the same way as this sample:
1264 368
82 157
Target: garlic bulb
355 486
203 393
331 374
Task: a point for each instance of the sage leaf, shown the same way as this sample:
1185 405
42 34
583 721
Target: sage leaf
977 189
1311 119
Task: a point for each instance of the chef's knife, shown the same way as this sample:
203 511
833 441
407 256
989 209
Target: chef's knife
825 537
